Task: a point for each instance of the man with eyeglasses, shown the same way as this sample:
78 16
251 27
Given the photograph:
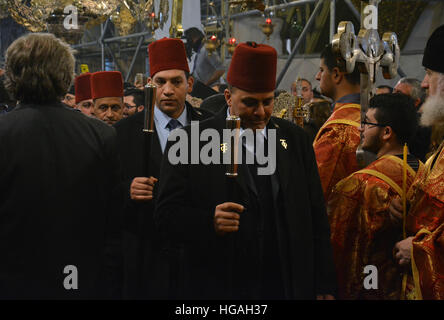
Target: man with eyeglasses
361 231
422 252
134 100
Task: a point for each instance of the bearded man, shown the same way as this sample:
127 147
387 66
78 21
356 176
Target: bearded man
422 252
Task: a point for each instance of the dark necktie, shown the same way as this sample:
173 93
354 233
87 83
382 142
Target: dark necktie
173 124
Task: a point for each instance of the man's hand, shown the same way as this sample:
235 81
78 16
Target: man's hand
325 297
395 211
226 217
402 251
141 189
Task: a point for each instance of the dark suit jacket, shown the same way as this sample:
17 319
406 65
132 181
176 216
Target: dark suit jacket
130 142
188 195
58 203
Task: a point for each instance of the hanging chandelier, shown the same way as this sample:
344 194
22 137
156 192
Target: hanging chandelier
50 15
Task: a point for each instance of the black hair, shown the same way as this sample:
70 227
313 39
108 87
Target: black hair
139 96
384 86
71 90
222 87
397 111
190 35
332 61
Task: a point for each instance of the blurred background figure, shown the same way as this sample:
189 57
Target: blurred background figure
307 91
412 88
83 99
70 97
206 68
420 143
133 100
319 112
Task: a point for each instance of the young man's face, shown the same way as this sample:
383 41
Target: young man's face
172 88
130 105
254 109
325 78
371 133
109 109
86 106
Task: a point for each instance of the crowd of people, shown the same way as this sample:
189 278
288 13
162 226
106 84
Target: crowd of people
79 191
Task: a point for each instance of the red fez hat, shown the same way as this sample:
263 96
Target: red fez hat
106 84
167 54
253 67
82 86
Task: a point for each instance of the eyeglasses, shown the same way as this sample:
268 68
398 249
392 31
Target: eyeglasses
363 123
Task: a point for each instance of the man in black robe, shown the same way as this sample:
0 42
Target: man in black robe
59 206
147 273
265 234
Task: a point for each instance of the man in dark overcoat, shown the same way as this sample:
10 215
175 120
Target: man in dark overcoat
263 234
59 207
145 260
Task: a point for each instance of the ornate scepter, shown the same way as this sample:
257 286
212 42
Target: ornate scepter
148 131
148 124
232 123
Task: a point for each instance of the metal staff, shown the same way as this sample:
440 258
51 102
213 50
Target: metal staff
148 124
232 193
232 123
148 131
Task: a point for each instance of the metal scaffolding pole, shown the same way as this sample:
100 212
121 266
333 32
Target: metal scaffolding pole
271 8
94 43
133 61
102 44
353 9
102 47
332 19
299 41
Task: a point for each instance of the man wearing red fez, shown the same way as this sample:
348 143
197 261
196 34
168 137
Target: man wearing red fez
84 101
422 251
169 71
260 236
107 93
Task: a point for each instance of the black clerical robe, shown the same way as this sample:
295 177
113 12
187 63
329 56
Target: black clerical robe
147 271
236 265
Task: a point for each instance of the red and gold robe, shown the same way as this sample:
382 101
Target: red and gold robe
335 145
361 231
425 221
